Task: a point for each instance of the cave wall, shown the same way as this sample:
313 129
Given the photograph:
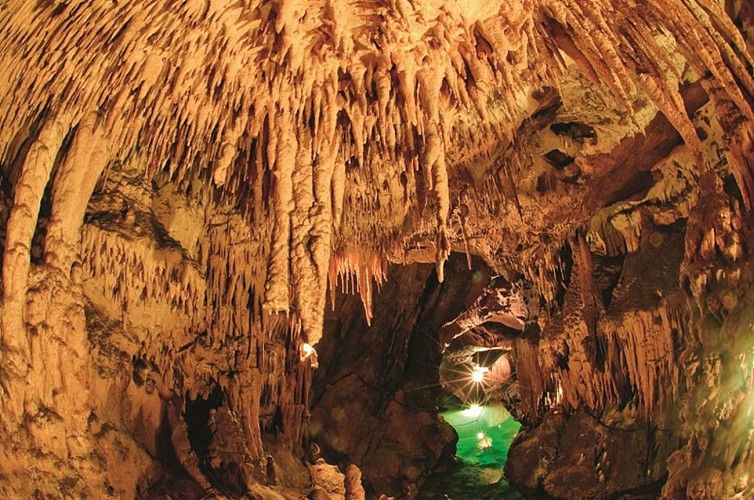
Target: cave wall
623 350
162 319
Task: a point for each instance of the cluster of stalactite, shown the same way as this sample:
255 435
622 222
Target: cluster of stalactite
357 271
636 364
609 341
321 127
686 344
199 321
332 99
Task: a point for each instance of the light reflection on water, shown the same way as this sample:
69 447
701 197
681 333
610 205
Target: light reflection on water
484 436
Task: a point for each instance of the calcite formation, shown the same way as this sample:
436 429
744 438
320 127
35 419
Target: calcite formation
183 183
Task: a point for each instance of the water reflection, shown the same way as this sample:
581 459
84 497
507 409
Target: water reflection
485 434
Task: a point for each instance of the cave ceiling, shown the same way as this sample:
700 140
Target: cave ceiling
365 130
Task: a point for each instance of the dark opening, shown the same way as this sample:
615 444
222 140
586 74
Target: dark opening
197 420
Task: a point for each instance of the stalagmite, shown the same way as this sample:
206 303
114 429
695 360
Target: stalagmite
354 489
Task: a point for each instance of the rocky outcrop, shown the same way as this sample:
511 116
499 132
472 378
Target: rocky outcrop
593 456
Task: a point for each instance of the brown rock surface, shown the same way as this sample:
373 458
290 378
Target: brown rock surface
181 186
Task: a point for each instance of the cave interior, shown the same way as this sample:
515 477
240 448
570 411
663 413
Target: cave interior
349 249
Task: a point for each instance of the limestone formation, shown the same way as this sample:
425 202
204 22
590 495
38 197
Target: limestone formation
193 192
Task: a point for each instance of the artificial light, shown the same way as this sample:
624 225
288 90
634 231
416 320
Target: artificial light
477 375
308 352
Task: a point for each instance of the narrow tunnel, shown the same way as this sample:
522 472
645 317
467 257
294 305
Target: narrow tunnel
410 406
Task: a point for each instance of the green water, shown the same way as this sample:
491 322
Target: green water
484 436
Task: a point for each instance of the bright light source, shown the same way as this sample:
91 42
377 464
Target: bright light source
477 376
473 411
480 435
308 352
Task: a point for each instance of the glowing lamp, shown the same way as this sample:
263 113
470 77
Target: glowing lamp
308 350
477 375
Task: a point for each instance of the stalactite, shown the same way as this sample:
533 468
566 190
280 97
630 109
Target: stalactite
341 142
28 191
590 302
532 385
72 188
284 161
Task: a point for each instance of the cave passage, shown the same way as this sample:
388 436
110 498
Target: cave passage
485 434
